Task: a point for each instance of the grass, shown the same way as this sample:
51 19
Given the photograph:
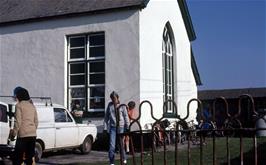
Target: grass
234 146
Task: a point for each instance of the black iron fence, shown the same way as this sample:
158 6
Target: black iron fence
180 132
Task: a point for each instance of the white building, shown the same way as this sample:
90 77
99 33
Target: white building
84 49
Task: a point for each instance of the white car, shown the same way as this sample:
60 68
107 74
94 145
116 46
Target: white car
4 125
57 129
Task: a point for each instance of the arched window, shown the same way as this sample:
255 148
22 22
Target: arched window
168 66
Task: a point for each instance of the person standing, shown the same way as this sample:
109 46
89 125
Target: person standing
26 123
131 114
77 111
113 114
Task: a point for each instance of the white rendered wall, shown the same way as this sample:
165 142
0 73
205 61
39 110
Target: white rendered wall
33 55
152 22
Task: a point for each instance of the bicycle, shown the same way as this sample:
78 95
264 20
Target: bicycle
161 134
203 129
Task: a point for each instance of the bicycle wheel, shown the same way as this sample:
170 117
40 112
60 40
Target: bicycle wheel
230 125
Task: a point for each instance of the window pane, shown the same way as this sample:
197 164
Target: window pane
97 103
170 78
171 63
97 79
163 54
83 73
3 113
60 115
97 91
97 51
77 42
77 68
77 80
170 90
77 53
77 92
97 67
97 40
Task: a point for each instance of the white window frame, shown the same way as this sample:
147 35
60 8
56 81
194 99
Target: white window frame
168 70
86 60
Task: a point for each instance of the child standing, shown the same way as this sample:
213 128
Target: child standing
131 109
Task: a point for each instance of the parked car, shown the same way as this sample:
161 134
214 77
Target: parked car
4 125
5 150
57 130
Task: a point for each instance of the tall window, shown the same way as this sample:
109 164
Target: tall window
168 67
86 71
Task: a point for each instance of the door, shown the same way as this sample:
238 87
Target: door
66 129
4 126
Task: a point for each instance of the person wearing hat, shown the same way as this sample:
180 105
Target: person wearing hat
15 91
112 127
24 128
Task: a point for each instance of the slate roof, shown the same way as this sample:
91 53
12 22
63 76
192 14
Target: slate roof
231 93
18 10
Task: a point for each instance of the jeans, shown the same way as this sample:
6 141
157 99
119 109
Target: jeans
112 142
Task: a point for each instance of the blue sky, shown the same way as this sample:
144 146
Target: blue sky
230 48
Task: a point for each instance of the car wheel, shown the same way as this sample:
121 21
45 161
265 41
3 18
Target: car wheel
38 151
85 147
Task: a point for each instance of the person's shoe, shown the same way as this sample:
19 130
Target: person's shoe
112 164
125 161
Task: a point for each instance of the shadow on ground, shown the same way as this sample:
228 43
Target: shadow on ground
249 156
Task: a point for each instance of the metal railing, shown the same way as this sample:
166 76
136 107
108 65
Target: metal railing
231 128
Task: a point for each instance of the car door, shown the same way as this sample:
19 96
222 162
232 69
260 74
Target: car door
46 125
66 129
4 126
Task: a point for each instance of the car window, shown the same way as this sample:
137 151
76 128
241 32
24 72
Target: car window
61 115
3 113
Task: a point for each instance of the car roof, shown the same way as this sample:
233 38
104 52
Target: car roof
37 104
3 103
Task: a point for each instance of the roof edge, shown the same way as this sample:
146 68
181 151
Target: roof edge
144 3
187 19
139 6
195 69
